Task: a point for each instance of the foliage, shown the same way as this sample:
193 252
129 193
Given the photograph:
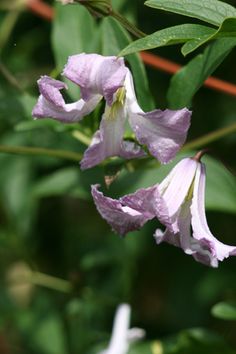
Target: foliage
48 222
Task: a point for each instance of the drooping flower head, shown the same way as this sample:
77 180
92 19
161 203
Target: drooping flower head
122 336
178 203
183 192
163 132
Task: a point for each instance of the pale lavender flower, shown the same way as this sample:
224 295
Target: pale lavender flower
99 77
183 191
178 203
122 336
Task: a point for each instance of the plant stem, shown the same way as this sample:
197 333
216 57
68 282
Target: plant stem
81 137
9 77
25 150
128 25
50 282
74 156
209 138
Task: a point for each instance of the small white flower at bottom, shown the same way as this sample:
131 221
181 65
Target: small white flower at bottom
122 336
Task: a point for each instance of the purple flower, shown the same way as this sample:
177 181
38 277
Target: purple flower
130 212
178 203
164 132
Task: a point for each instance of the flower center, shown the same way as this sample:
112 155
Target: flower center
111 112
190 191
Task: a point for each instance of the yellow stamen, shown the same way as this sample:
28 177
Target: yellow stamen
111 112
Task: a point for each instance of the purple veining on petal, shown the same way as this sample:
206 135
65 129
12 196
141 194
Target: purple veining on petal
50 89
164 132
52 105
96 74
121 217
145 200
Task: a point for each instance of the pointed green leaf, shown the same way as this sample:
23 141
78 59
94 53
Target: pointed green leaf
73 33
187 81
64 181
211 11
168 36
224 311
227 29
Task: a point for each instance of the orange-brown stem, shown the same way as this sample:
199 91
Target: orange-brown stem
46 11
199 155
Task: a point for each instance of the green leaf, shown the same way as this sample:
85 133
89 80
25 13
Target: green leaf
227 29
224 311
114 38
36 124
187 81
168 36
64 181
211 11
73 32
50 337
145 348
220 184
195 341
15 106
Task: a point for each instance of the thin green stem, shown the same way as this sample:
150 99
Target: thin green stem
81 137
25 150
209 138
9 77
50 282
128 25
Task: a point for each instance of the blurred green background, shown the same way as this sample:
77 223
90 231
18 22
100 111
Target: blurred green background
63 272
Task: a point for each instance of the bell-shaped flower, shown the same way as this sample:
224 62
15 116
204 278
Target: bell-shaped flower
183 191
163 132
122 336
178 203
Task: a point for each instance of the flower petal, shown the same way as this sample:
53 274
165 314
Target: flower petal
173 189
96 74
119 339
174 192
201 230
108 140
201 250
120 216
144 200
164 132
51 103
